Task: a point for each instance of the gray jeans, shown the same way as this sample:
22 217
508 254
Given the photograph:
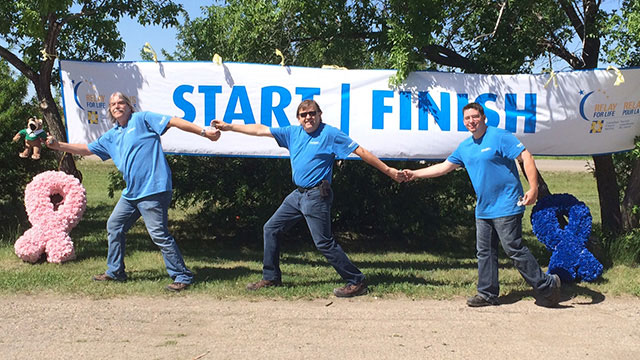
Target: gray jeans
507 230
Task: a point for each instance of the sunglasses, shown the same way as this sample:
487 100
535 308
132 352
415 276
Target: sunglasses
310 113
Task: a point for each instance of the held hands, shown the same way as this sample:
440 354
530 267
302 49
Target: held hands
212 133
409 174
397 175
221 125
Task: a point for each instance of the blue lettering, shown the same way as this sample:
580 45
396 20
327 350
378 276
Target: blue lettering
463 100
209 101
379 108
239 93
267 107
182 104
405 110
345 107
512 112
441 115
493 118
307 93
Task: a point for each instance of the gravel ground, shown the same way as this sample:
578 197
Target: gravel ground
194 327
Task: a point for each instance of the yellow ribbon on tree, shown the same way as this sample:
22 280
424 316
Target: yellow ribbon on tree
148 49
334 67
619 76
279 53
46 56
552 77
217 59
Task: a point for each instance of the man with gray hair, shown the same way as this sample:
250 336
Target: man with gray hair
134 145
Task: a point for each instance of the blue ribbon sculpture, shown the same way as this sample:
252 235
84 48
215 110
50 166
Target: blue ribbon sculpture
570 259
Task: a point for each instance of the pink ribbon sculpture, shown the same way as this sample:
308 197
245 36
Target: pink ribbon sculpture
55 202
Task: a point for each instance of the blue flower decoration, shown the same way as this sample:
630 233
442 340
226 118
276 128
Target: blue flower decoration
570 259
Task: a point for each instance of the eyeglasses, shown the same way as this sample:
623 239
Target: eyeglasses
310 113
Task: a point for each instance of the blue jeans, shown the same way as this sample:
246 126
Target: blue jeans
154 210
508 230
316 210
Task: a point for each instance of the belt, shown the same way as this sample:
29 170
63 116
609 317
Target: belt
303 189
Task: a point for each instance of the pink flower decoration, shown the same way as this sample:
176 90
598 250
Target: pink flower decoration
55 202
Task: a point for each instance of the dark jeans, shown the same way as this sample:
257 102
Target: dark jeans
316 210
507 230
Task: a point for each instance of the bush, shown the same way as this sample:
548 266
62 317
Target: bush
624 249
236 196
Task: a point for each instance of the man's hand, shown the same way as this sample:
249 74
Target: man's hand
409 174
212 134
221 125
52 143
530 197
396 175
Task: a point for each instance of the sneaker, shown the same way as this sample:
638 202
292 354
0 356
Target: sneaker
263 284
479 301
177 287
105 277
351 290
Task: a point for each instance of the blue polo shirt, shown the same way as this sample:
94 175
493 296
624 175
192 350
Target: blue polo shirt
312 155
137 152
491 167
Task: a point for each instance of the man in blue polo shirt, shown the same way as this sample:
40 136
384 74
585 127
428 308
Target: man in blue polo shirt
313 147
134 145
488 155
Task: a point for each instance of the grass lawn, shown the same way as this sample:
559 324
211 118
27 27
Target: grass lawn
224 272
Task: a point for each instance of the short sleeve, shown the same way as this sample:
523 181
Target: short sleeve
100 147
510 146
455 157
282 135
343 145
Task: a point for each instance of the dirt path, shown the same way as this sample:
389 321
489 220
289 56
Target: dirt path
194 327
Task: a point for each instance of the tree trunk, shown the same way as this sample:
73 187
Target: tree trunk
631 201
608 194
55 128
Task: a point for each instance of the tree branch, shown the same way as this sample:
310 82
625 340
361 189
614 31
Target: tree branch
560 51
18 64
574 18
447 57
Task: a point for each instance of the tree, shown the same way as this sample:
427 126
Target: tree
40 31
507 37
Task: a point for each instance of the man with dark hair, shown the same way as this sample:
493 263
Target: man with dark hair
313 146
488 155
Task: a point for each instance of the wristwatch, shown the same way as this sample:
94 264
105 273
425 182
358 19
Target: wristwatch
202 132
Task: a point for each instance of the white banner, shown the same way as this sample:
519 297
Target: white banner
580 113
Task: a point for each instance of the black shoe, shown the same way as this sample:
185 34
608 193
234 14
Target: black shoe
479 301
351 290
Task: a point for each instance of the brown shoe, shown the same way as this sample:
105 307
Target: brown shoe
263 283
104 277
351 290
177 287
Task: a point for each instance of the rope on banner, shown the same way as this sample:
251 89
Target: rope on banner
148 49
619 76
279 53
217 59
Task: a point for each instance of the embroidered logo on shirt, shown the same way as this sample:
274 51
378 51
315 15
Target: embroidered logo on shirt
485 149
130 130
314 142
520 145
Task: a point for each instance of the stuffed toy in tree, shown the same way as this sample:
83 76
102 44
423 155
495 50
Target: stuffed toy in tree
34 137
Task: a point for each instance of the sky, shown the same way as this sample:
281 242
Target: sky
136 35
